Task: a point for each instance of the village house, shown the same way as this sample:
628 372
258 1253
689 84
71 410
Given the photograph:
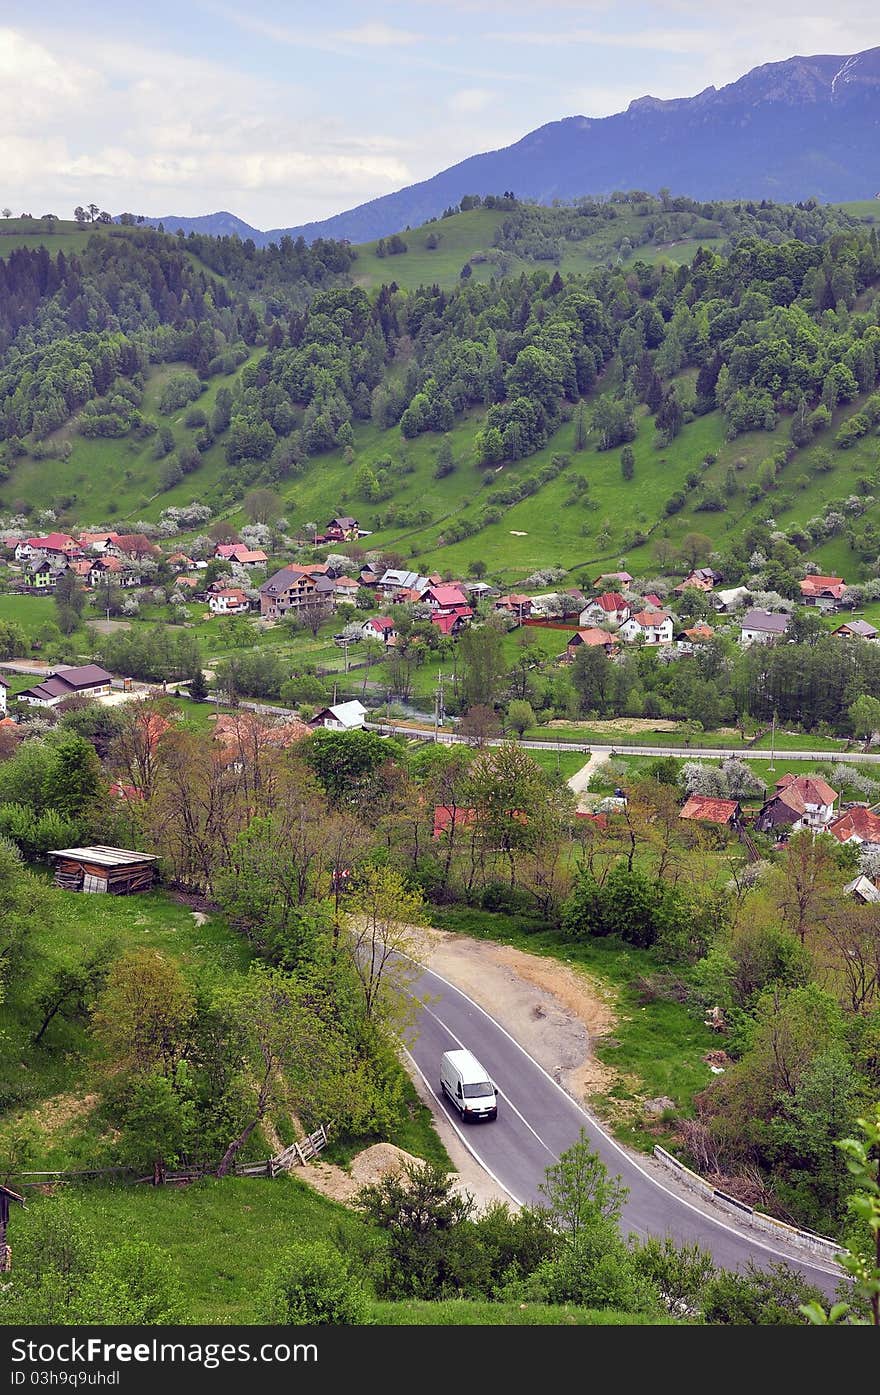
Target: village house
622 579
856 629
448 818
444 597
652 601
228 601
858 825
54 545
608 609
727 813
592 638
179 562
730 599
291 588
134 546
654 626
96 542
111 569
452 622
240 553
686 640
342 530
520 607
380 627
369 575
342 716
81 567
763 627
243 736
345 588
478 589
90 679
826 592
701 579
190 583
800 801
395 580
42 575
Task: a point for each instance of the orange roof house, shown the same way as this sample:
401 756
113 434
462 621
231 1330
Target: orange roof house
725 812
857 826
816 589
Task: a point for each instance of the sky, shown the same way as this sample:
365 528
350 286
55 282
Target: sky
286 111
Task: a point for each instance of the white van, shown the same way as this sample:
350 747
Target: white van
468 1085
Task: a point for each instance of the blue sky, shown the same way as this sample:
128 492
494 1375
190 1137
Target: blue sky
289 111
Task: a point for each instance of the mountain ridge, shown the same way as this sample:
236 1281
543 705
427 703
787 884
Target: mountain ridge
807 126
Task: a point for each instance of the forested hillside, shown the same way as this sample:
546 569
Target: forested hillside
195 368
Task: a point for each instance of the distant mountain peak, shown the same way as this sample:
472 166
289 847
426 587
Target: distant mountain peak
805 127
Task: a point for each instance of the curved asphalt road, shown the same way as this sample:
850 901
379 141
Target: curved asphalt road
538 1119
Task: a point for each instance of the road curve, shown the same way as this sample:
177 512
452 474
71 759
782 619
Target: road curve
538 1119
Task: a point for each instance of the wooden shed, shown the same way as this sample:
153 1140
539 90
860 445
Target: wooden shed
100 869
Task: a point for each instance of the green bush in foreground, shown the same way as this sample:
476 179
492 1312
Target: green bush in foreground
311 1285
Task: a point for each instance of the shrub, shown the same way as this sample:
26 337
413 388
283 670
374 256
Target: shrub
312 1286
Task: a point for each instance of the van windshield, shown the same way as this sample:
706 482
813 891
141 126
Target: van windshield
478 1091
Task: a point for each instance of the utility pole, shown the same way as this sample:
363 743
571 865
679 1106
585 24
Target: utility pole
772 741
439 708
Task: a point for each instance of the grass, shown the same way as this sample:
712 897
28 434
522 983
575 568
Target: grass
468 237
224 1237
118 480
468 1313
67 236
565 763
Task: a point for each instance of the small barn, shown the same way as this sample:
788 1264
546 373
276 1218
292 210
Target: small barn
100 869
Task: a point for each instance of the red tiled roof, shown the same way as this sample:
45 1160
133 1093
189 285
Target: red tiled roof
134 542
610 600
815 585
125 791
650 617
54 542
446 817
447 620
812 789
447 595
700 806
861 823
592 636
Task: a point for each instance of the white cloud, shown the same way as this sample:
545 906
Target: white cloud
469 100
378 36
656 40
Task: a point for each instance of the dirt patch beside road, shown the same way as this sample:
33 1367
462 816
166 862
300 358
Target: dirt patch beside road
552 1009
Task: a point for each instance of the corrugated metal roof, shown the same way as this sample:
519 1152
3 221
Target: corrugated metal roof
105 857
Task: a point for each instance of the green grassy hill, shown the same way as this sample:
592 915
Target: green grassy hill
468 237
119 481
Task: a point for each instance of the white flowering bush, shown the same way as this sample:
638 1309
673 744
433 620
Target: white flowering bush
869 863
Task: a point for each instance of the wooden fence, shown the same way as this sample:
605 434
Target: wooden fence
293 1156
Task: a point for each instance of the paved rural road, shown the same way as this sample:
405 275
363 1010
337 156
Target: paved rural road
537 1120
449 738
